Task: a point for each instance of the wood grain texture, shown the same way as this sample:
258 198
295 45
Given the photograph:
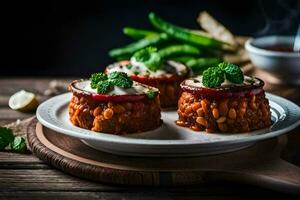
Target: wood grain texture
257 165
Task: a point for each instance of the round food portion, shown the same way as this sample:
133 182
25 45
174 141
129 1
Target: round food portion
167 79
121 111
230 108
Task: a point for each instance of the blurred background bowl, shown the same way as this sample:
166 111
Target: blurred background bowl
283 65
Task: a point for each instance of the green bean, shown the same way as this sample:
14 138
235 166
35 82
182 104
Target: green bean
183 59
138 33
123 57
183 34
184 49
150 40
200 64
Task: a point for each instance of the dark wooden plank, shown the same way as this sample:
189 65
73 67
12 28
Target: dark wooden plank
53 180
9 160
45 180
9 114
18 158
35 85
136 195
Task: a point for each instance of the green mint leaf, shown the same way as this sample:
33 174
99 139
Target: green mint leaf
213 77
150 94
96 78
232 72
6 137
104 87
18 144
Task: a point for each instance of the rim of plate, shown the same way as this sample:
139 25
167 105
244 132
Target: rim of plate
104 137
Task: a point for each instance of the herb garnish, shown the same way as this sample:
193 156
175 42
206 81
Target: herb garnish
232 72
150 57
215 76
104 83
96 78
150 94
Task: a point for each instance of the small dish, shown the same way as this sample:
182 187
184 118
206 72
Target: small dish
169 140
283 65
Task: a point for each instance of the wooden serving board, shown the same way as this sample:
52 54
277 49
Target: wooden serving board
258 165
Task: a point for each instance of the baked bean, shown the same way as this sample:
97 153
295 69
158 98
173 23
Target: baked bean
200 112
97 111
108 113
232 113
205 105
202 121
215 113
242 112
252 103
82 100
182 108
243 104
196 105
223 108
221 119
188 110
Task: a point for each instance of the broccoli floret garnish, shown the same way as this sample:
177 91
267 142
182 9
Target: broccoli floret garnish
149 57
232 72
104 83
213 77
120 79
96 78
104 87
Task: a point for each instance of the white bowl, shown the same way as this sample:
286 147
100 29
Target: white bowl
284 66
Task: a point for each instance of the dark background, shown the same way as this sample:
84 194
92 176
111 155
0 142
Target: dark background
61 38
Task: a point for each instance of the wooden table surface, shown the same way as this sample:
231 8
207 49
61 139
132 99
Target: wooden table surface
23 176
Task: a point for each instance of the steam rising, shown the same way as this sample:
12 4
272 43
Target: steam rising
284 21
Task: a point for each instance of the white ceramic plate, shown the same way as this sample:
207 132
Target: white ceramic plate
169 139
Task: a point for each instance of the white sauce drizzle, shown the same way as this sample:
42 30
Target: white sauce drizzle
197 82
136 88
176 68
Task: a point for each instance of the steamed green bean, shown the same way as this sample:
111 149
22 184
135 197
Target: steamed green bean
183 34
181 49
150 40
138 33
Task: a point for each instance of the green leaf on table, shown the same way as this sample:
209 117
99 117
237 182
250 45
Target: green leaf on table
18 144
6 137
